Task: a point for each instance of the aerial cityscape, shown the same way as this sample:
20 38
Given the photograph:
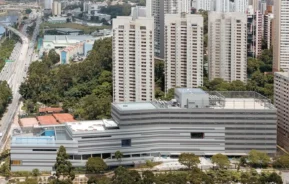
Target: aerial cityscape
144 91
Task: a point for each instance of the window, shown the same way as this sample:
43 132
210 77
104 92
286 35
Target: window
126 143
43 149
15 162
197 135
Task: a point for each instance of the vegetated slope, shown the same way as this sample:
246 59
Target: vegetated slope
5 96
84 89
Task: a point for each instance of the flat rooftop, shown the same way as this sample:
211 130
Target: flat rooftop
94 125
214 100
243 103
67 38
47 120
47 140
28 122
190 91
135 106
63 117
284 74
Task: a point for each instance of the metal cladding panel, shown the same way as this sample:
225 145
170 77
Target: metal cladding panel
223 131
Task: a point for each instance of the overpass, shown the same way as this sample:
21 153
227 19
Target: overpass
23 38
16 76
18 7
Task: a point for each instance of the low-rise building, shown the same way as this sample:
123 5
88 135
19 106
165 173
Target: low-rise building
27 124
204 123
70 52
63 41
57 20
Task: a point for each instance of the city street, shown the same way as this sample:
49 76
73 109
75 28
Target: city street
15 73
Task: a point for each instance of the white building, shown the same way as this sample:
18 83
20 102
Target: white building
48 4
91 8
267 35
85 6
222 5
254 32
255 4
207 5
183 50
56 8
158 9
263 7
281 102
227 46
240 5
133 59
281 36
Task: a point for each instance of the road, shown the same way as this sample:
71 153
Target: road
15 74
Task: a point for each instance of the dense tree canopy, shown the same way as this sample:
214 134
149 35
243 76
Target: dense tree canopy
95 165
258 158
281 162
194 176
5 96
28 11
5 51
117 10
84 89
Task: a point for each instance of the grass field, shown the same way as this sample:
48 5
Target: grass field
85 29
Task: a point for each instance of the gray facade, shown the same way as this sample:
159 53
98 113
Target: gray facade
149 129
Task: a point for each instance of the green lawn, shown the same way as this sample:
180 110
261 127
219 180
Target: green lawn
86 29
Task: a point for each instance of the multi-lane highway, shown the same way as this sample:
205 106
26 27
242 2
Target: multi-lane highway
15 74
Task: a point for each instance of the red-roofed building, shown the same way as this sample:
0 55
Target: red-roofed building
50 110
64 117
47 120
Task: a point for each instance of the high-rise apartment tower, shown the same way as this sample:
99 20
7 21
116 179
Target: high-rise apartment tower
158 9
183 50
227 46
281 35
133 58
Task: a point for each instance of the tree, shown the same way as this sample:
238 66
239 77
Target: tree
159 74
281 162
122 176
135 176
148 177
189 159
258 158
275 178
97 180
5 96
118 155
95 165
170 94
28 11
63 167
242 161
221 161
197 176
53 56
36 172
